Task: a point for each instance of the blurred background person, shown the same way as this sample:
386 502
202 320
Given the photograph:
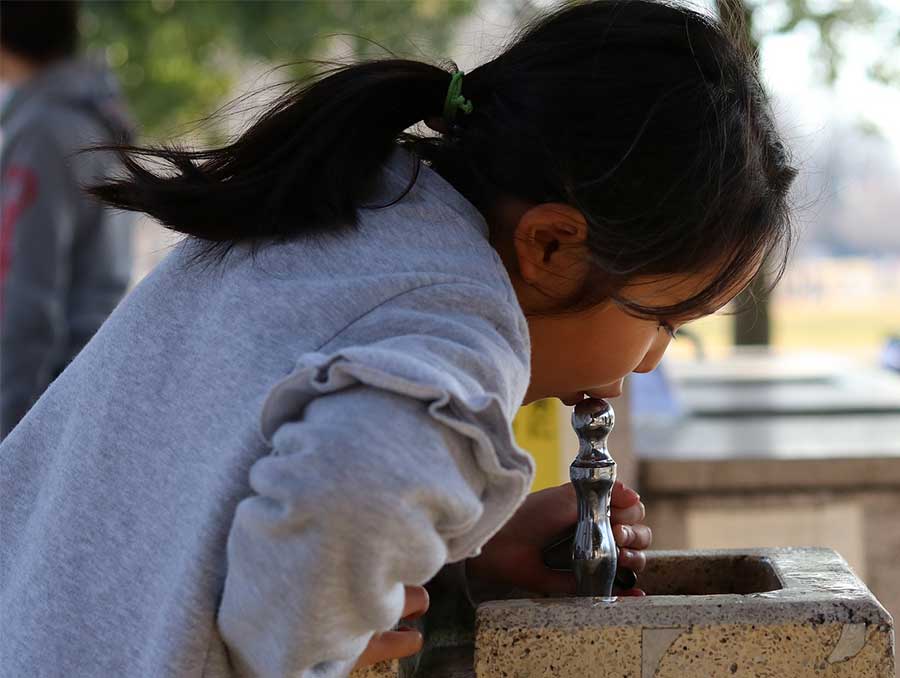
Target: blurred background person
65 260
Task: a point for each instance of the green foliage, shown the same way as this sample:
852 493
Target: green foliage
178 59
830 18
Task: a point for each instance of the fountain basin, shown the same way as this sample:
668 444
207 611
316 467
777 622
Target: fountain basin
792 612
779 612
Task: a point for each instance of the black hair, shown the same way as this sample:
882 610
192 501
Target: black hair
39 30
648 117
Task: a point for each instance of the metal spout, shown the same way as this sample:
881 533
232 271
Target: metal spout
593 473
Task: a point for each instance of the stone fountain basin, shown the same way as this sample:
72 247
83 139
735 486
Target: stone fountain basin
750 612
771 612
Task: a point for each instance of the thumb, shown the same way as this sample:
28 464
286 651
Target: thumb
551 512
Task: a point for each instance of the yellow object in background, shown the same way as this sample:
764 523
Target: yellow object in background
537 430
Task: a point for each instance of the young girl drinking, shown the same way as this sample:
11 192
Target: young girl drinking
304 412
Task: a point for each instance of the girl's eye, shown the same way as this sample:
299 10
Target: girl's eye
668 328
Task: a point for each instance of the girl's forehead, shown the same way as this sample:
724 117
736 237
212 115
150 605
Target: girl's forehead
668 290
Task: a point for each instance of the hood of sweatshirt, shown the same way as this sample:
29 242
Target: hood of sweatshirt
82 85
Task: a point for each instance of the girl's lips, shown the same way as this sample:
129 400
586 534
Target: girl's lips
605 394
593 394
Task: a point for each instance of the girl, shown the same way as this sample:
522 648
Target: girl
307 406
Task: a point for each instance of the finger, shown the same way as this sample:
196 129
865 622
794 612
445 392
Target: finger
623 496
633 560
393 644
642 537
415 603
631 515
555 509
565 495
623 534
635 537
414 615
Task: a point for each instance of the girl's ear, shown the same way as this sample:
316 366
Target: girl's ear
550 246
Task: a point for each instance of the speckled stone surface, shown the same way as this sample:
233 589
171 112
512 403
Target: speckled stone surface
386 669
754 612
669 516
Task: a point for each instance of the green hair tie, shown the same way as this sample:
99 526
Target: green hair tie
455 99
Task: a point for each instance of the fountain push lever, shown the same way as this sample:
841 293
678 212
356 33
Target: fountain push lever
593 474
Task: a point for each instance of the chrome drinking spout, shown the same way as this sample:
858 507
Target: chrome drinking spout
593 473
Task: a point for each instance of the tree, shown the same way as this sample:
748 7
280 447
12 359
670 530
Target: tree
753 327
175 59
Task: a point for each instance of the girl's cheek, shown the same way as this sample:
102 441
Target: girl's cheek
616 352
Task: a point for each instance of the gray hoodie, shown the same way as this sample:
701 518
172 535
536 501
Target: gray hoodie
65 261
241 470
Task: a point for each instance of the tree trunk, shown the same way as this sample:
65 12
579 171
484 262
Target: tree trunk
752 327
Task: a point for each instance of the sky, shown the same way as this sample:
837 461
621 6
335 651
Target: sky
792 75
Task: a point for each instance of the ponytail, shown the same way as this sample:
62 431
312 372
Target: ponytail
302 168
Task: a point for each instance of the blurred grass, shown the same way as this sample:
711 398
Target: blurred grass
860 330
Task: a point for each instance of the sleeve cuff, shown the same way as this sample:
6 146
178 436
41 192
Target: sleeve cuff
507 470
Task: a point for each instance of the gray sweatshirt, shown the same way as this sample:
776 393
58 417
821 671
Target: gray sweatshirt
244 466
65 260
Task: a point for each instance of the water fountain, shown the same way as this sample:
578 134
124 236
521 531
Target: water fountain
750 612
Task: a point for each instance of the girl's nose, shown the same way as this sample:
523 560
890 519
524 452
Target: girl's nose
645 367
653 356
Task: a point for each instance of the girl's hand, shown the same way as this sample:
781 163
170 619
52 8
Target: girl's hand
400 643
513 556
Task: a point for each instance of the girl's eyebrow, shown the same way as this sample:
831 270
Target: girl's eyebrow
684 319
712 309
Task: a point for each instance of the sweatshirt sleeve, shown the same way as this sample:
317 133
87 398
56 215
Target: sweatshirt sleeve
37 223
386 464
